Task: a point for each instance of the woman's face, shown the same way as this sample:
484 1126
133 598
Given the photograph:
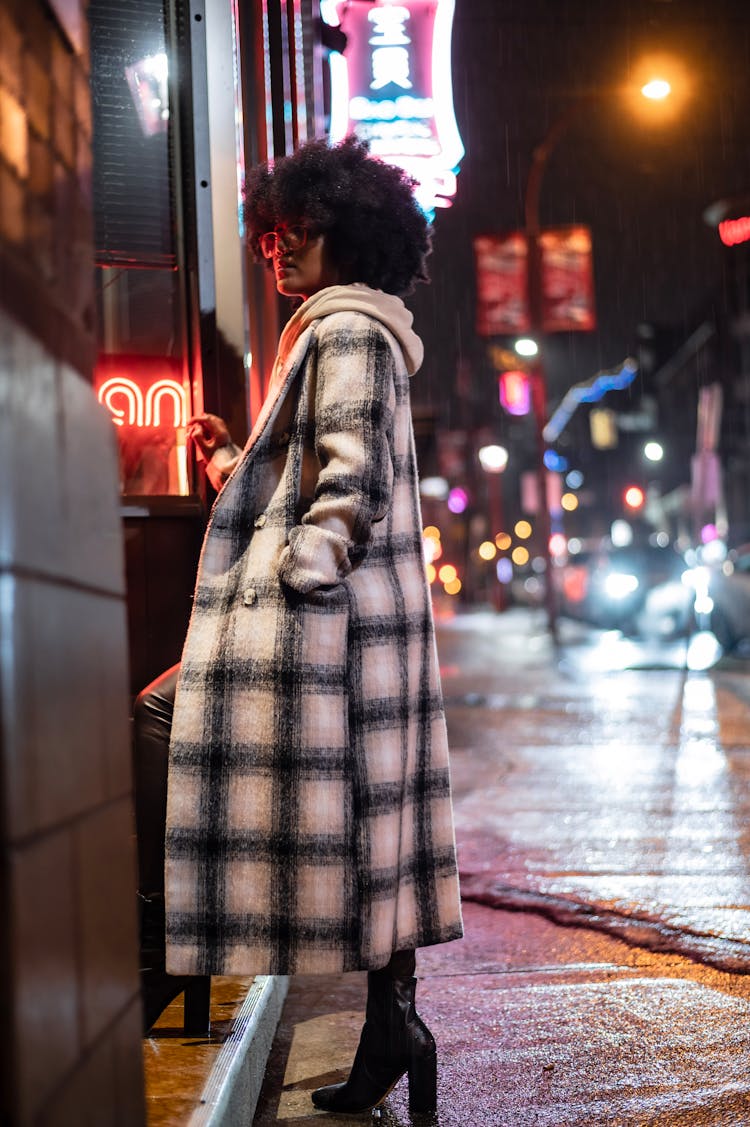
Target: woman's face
301 270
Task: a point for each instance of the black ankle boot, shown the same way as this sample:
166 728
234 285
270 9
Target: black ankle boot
394 1041
158 988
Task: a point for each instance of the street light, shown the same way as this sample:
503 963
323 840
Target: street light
655 89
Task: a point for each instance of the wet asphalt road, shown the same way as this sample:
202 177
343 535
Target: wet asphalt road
607 782
602 797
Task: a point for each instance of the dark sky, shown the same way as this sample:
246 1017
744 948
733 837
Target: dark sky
517 66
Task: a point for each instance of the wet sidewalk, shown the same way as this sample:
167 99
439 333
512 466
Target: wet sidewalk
602 821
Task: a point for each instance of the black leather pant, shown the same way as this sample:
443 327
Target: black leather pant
152 723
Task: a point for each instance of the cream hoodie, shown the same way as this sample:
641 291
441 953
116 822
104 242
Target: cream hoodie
356 298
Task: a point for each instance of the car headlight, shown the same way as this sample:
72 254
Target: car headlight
699 579
618 585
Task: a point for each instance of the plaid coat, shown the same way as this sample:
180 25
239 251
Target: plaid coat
309 822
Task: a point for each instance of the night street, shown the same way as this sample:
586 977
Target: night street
601 803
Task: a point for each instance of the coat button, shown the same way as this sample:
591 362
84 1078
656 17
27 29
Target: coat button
260 520
249 596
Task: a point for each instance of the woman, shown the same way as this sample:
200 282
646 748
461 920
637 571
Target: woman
309 825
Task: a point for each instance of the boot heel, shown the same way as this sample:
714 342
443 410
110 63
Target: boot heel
197 1008
423 1084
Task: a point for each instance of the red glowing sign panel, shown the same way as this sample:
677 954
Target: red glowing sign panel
143 391
502 284
162 402
567 280
393 88
515 392
735 231
149 400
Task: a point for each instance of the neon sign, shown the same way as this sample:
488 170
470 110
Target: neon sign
734 231
589 391
129 406
515 392
393 89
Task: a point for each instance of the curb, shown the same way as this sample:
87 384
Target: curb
231 1092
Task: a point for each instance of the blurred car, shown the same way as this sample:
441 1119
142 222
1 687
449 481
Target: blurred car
638 590
729 594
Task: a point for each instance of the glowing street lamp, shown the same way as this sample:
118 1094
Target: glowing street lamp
656 89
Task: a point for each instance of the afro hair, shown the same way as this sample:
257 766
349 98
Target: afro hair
375 231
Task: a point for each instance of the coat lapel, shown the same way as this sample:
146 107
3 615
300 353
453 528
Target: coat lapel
273 402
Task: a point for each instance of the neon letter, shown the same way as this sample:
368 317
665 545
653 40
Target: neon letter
120 386
154 396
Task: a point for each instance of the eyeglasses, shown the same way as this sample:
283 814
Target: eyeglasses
293 237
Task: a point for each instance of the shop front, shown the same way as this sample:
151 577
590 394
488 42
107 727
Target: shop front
185 96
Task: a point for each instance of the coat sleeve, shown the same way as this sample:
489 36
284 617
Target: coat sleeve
221 464
354 407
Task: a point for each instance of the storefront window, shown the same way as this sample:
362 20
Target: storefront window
142 372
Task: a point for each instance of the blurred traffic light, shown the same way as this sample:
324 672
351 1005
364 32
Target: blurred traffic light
634 497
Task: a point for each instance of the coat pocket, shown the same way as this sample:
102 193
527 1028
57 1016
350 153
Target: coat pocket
330 596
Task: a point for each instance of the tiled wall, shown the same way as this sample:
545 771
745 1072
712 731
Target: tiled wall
69 1005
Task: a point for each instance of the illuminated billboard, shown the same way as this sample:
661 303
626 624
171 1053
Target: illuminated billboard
392 87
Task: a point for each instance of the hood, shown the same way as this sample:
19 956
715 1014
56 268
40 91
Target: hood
357 298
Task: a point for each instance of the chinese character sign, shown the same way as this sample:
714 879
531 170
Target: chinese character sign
393 89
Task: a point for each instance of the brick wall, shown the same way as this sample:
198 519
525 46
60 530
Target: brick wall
69 1005
45 180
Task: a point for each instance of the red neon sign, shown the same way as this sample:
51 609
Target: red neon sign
515 392
129 406
144 392
734 231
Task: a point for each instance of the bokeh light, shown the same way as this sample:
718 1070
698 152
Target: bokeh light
503 541
634 496
520 555
522 529
493 459
656 89
431 546
654 451
458 499
447 573
569 502
504 570
453 586
487 550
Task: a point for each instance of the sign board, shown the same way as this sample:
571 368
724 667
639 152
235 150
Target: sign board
502 284
392 87
567 280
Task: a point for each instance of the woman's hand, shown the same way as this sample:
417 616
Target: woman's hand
209 433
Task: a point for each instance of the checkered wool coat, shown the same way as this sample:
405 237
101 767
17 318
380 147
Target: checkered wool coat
309 822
